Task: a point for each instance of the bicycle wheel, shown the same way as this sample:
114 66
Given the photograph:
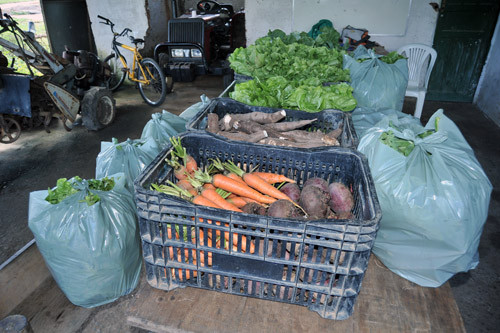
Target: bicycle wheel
118 72
155 92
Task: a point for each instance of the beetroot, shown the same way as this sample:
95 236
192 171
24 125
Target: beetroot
314 201
341 198
292 190
318 182
282 208
254 208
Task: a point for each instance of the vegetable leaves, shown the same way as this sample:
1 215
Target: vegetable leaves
66 188
270 57
307 95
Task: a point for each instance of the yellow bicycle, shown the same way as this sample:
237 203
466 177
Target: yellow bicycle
153 86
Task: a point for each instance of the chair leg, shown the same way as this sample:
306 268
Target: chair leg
420 105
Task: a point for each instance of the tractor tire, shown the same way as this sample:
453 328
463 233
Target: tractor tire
98 108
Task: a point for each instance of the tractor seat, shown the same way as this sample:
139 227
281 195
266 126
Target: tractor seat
138 41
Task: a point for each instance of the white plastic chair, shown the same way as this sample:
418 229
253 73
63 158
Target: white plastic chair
421 59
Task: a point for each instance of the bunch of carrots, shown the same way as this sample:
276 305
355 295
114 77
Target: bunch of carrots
221 185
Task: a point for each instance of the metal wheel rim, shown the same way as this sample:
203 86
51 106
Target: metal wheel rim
151 89
12 131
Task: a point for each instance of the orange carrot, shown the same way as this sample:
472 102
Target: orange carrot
248 200
233 186
203 201
184 184
215 197
234 176
260 184
209 186
256 182
190 164
180 152
237 201
273 178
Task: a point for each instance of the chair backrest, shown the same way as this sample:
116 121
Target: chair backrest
421 59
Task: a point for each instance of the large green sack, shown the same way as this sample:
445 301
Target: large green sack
93 252
434 200
377 84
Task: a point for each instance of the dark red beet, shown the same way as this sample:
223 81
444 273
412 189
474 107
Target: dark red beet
282 208
318 182
254 208
292 190
314 201
341 198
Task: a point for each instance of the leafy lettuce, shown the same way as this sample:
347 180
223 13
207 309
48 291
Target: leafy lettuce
329 37
66 188
270 57
307 95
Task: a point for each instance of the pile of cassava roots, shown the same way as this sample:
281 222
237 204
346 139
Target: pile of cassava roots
270 129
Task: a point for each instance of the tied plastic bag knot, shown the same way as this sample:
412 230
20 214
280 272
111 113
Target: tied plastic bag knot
81 185
156 116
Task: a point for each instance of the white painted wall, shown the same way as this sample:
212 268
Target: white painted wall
265 15
487 96
125 14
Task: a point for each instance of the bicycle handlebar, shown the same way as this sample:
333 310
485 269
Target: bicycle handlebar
108 22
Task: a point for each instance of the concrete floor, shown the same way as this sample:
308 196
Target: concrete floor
38 159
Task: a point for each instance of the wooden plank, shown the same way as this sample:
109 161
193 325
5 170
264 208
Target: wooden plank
20 278
48 310
386 303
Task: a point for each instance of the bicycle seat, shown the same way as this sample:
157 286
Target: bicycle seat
138 41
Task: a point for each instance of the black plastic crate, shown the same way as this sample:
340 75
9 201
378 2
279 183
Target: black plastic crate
319 263
327 120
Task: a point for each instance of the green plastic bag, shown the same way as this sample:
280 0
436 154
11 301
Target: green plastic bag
365 118
434 200
93 252
193 110
129 157
376 84
162 126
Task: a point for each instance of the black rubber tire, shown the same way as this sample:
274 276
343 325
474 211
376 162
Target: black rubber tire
163 62
158 87
117 73
98 108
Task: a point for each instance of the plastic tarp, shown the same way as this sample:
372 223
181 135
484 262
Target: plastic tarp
434 201
377 84
129 157
93 252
